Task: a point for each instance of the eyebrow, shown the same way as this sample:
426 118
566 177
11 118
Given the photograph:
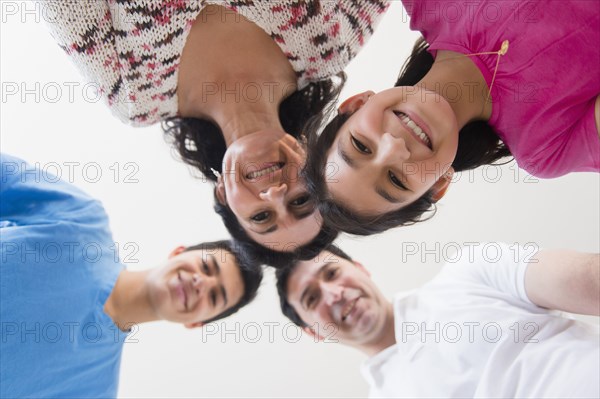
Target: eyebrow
345 156
218 272
305 214
268 231
318 273
386 196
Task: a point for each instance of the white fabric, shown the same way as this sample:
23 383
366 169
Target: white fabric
472 333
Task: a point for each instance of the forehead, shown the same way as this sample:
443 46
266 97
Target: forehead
364 201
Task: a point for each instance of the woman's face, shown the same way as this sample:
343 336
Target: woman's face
262 186
392 150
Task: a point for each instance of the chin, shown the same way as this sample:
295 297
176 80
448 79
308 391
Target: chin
367 323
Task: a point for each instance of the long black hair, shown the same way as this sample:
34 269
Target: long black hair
478 145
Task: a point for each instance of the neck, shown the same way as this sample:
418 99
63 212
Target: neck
387 337
238 86
129 302
458 80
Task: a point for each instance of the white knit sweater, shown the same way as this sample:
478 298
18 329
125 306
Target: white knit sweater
131 49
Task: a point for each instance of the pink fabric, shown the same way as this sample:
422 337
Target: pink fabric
547 83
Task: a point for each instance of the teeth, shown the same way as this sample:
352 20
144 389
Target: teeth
415 128
259 173
348 309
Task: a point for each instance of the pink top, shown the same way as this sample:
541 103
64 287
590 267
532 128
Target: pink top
546 84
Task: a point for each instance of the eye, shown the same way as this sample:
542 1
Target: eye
360 147
395 181
261 217
311 300
302 200
205 268
331 274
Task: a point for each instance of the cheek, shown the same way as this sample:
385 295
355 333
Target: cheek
198 315
237 196
316 319
445 119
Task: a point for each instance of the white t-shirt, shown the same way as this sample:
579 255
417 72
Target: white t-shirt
473 332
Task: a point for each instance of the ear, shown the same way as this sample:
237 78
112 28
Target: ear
220 192
176 251
310 332
194 325
441 186
362 268
355 102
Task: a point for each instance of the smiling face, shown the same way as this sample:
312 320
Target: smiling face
395 147
330 289
195 286
262 187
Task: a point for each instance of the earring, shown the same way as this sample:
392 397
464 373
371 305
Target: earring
216 173
303 140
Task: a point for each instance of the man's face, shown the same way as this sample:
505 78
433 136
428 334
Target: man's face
331 290
194 286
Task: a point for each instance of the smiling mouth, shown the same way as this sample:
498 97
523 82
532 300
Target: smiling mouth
415 128
349 308
181 289
271 168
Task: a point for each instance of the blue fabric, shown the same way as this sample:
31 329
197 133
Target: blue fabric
57 270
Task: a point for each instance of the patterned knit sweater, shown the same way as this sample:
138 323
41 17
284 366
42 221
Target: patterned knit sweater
131 49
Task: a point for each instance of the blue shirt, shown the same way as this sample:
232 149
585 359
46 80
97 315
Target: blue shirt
58 267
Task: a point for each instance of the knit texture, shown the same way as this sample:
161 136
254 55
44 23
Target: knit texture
131 49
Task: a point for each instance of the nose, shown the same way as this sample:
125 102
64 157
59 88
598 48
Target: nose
391 149
331 293
274 193
202 283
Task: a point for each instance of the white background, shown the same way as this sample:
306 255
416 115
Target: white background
167 207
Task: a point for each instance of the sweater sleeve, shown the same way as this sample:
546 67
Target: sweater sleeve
84 29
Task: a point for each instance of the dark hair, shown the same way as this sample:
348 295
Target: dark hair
261 254
283 276
478 144
200 142
251 273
